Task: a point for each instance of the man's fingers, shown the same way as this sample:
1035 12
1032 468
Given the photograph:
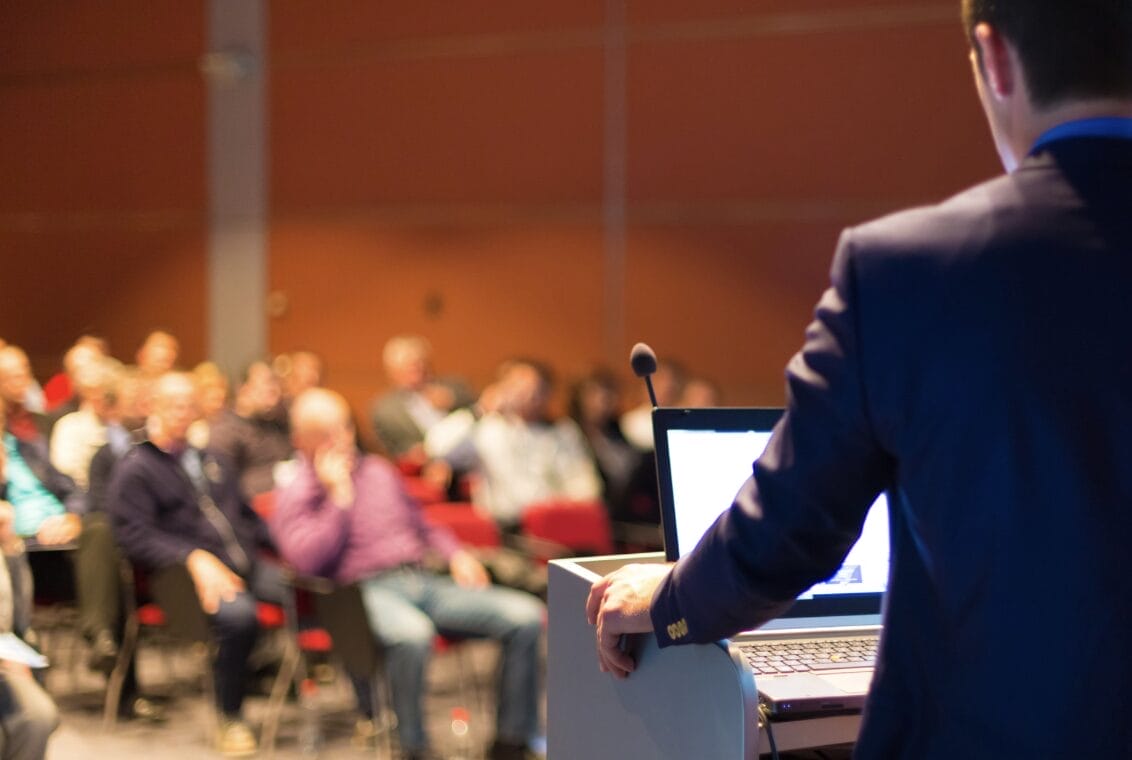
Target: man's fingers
593 601
616 661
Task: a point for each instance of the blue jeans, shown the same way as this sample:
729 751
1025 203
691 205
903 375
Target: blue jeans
407 608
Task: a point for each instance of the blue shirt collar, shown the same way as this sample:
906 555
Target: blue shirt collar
1115 126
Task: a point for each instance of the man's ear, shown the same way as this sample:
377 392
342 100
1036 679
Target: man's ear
995 61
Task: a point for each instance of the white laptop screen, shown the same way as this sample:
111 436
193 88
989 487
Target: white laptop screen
704 457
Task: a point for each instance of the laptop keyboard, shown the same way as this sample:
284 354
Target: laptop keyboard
801 655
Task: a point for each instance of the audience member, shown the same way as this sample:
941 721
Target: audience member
78 435
668 384
253 436
28 715
59 390
700 393
416 402
125 427
348 518
523 456
594 406
48 508
157 354
24 421
298 371
212 399
175 507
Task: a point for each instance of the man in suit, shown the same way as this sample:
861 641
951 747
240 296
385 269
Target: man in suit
971 358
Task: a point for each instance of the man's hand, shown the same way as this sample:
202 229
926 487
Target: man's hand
60 529
467 571
619 604
214 581
334 465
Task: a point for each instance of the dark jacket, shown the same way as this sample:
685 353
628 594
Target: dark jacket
972 358
157 514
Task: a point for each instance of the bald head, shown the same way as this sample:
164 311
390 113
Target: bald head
174 408
319 417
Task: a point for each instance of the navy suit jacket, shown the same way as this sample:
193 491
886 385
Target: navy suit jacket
974 359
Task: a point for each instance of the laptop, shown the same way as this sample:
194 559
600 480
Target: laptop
817 658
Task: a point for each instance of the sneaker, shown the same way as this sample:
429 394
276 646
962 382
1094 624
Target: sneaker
235 739
143 709
103 655
365 734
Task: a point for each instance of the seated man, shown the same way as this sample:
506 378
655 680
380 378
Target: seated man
253 436
523 455
347 518
78 435
173 506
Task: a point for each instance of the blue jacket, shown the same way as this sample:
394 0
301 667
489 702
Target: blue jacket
974 359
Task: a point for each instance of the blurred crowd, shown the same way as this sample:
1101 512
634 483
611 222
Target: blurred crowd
174 471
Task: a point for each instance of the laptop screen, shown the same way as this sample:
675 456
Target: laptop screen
705 455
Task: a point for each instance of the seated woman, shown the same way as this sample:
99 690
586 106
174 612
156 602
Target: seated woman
28 715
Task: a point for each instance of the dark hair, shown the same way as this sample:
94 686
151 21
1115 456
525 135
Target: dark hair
1069 48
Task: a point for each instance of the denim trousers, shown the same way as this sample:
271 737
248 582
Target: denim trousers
408 607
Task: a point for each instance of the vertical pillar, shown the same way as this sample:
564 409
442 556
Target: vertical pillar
235 70
614 183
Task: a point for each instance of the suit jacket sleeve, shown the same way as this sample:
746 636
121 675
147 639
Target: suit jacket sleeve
796 518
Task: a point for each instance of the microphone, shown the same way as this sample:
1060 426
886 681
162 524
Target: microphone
643 360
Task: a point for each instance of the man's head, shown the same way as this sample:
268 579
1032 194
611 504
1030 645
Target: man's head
86 349
212 388
526 386
1037 58
407 360
1069 49
173 409
96 385
260 393
299 371
158 353
320 418
15 375
131 398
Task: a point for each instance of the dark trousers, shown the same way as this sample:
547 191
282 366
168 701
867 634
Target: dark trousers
235 628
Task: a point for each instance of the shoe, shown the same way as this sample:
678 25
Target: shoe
508 751
365 735
103 655
141 708
235 739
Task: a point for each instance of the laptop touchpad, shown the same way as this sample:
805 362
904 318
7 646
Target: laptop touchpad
855 682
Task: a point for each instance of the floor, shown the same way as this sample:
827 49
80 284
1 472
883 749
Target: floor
170 677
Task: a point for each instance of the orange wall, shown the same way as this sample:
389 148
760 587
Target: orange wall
102 201
439 167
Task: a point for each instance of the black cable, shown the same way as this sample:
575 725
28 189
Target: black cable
764 719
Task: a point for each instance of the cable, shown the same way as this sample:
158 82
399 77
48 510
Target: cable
764 720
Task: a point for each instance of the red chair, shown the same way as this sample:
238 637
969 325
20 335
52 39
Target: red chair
471 527
562 528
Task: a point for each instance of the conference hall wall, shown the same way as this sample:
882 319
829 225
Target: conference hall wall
558 178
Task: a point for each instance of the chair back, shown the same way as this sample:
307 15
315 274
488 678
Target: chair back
471 527
579 526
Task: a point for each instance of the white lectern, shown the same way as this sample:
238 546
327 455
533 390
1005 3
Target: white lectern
682 702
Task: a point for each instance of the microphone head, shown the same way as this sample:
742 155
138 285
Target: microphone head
643 360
